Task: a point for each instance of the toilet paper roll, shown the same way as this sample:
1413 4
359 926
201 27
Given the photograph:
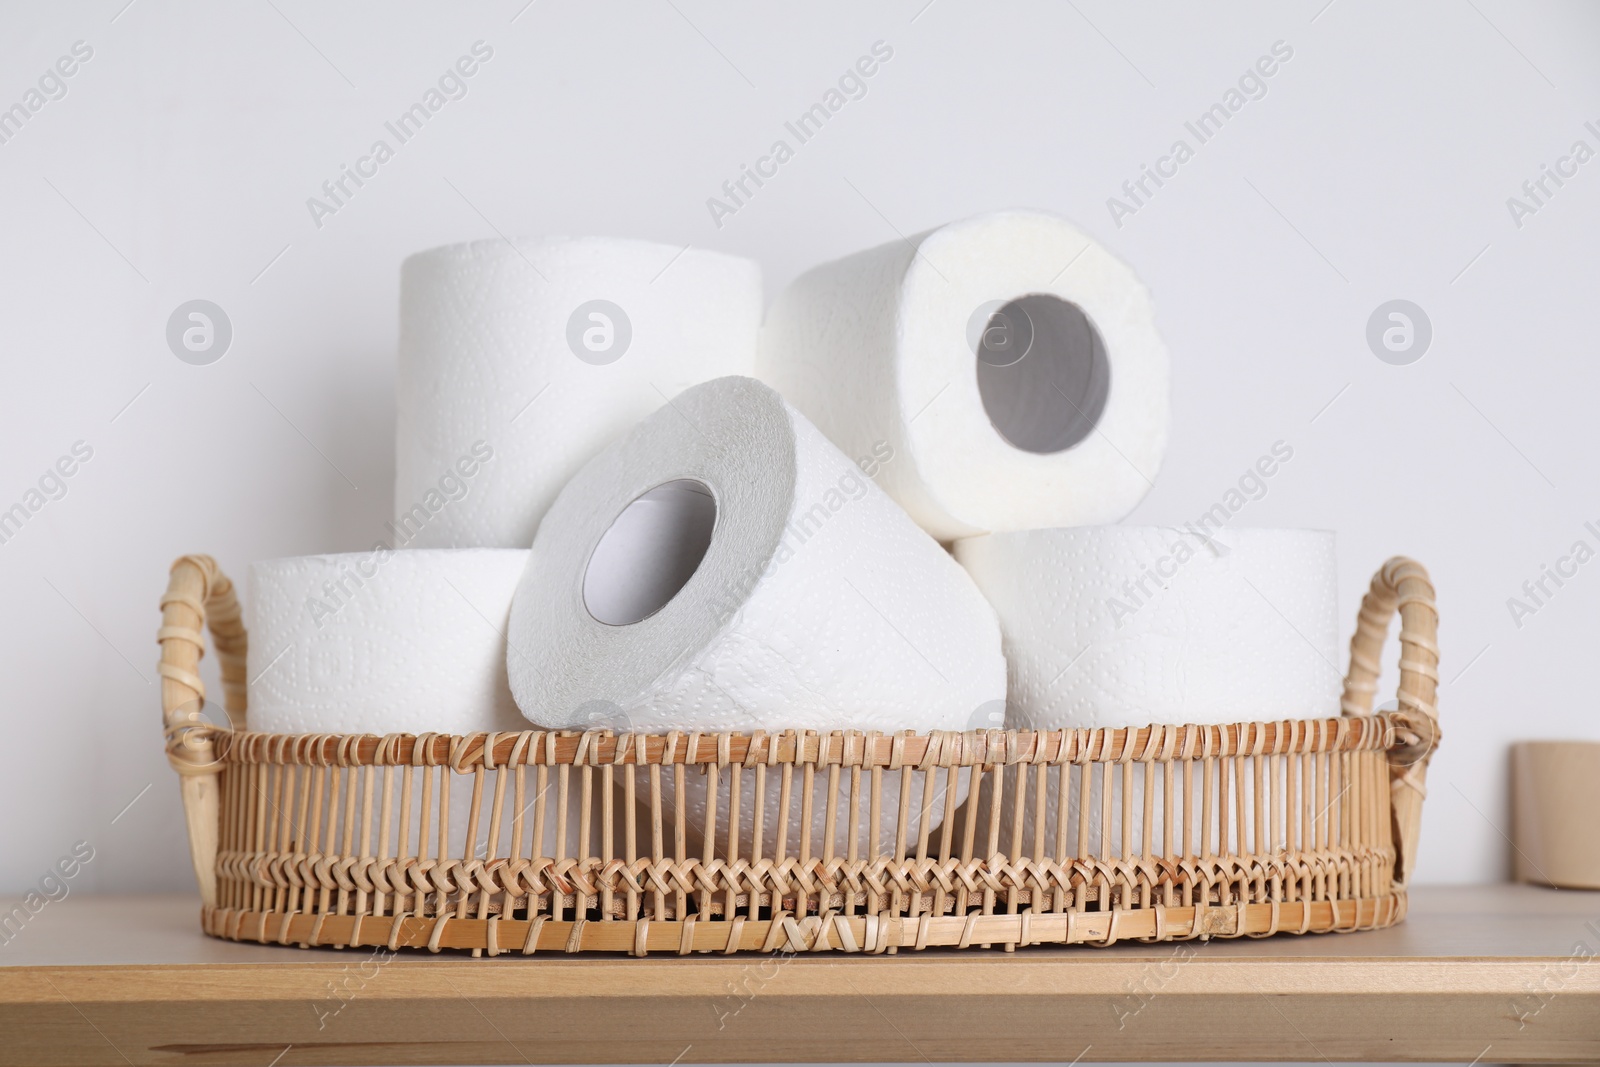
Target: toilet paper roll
1126 626
723 567
1012 362
520 362
382 642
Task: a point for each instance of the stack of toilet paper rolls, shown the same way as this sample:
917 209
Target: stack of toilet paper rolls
623 502
518 363
1014 366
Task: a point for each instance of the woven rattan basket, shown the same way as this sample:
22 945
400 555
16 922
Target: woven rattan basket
1067 836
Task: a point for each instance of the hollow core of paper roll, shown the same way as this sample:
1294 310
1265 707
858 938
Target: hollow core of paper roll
1042 373
650 552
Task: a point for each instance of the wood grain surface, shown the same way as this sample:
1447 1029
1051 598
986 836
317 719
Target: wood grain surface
1489 973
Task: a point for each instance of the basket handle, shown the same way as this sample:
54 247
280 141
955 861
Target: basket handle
198 593
1401 584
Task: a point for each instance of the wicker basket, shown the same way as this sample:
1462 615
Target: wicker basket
1160 833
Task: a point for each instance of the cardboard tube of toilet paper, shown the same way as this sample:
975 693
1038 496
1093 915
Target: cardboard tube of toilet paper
519 361
724 567
1009 359
1131 625
387 641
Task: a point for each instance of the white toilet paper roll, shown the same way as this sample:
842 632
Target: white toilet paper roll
1011 361
1126 626
723 567
382 642
520 362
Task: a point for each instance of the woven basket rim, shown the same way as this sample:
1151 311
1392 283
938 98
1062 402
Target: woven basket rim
1156 742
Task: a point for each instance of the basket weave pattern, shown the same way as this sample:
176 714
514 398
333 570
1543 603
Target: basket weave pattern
583 841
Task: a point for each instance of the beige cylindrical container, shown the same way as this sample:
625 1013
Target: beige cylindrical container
1555 794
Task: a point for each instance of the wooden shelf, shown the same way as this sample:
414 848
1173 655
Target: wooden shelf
1494 974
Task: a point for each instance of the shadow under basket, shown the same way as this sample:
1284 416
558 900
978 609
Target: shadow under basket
584 842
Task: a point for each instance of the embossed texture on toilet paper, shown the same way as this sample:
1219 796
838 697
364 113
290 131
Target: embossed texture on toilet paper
388 641
1129 625
546 351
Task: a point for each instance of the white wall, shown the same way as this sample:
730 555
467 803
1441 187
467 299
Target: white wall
1377 166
